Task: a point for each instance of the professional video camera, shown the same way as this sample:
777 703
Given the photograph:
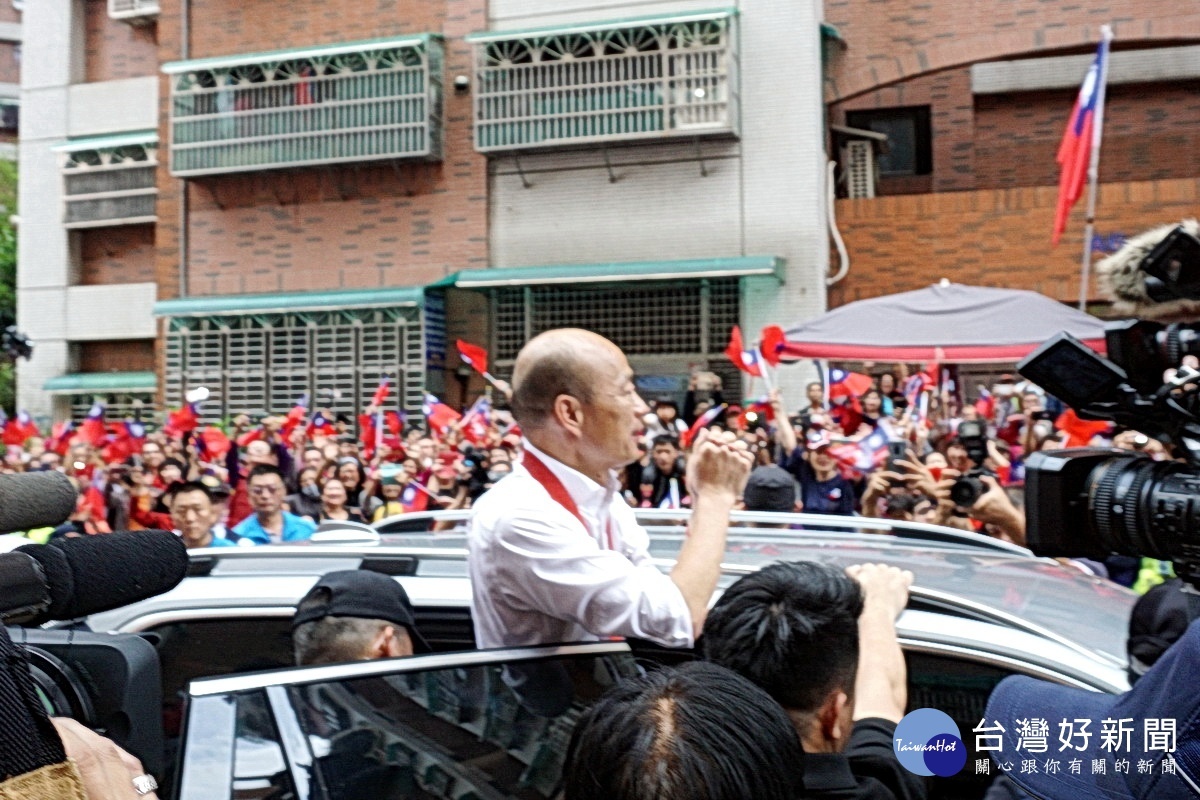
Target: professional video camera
972 435
1094 502
109 682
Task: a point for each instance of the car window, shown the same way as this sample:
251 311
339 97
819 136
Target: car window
487 730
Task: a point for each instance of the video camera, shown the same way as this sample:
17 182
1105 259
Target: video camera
1093 502
972 435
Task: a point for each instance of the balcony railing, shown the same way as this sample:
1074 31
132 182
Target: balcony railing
109 181
134 11
354 102
636 80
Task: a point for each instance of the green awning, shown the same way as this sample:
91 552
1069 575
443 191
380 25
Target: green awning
588 27
339 48
100 382
830 32
739 267
216 305
108 141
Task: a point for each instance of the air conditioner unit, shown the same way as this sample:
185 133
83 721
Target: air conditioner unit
135 12
858 164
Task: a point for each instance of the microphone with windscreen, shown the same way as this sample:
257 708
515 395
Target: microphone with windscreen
76 577
31 500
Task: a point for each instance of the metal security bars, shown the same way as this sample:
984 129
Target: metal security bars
346 103
133 10
641 79
111 184
261 363
687 322
117 406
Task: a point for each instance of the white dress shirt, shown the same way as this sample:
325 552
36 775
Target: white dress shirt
539 576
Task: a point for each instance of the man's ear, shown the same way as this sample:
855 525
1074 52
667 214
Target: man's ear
834 716
568 412
384 644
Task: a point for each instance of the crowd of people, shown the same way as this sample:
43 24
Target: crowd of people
891 443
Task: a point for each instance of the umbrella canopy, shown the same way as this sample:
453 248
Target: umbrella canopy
947 322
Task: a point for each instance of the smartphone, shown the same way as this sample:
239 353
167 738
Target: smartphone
897 451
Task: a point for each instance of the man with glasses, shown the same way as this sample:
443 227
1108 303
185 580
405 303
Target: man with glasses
270 523
554 552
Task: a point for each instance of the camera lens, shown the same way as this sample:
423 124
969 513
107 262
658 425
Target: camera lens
966 490
1145 507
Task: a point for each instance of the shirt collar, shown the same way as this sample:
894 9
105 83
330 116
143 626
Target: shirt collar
827 772
588 495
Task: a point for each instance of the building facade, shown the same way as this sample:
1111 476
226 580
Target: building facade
275 202
973 106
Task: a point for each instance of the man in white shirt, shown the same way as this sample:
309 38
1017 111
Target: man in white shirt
555 554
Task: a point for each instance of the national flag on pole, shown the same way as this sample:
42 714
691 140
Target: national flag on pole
183 420
296 416
771 342
214 443
60 436
701 422
18 430
381 392
848 384
474 355
439 415
985 406
858 458
319 425
745 360
92 429
1081 136
476 421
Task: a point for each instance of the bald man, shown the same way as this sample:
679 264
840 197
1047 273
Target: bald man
555 554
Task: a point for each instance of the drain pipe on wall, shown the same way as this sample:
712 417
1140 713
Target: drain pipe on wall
185 53
830 197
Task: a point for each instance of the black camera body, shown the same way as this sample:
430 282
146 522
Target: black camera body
1095 502
109 682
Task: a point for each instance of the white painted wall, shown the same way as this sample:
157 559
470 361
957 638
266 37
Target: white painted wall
764 194
113 106
54 107
117 311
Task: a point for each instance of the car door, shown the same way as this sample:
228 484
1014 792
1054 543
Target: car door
489 725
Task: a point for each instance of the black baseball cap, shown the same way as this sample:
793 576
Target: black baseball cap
366 595
770 488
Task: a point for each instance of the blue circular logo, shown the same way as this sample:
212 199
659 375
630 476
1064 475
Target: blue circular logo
927 742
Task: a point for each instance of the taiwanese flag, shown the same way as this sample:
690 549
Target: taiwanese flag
214 443
855 459
92 430
60 436
295 416
320 425
17 431
393 422
477 420
473 354
701 422
381 392
745 360
250 436
1079 431
127 439
1082 134
770 343
848 384
439 415
366 426
182 420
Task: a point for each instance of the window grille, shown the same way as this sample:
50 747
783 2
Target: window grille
132 405
113 185
349 103
632 81
262 363
133 11
687 321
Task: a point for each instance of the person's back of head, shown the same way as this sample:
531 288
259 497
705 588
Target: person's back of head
791 628
699 732
353 615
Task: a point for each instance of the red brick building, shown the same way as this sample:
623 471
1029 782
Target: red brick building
975 105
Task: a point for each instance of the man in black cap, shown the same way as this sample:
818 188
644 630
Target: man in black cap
355 615
770 488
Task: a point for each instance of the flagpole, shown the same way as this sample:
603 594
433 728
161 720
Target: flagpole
763 367
1094 169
